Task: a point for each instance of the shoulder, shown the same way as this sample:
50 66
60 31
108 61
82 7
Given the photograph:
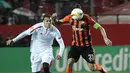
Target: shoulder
36 26
86 15
39 24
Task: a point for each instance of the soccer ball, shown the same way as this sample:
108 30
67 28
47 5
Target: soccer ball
77 14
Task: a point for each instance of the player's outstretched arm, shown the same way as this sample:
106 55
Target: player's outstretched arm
55 21
103 32
106 40
20 36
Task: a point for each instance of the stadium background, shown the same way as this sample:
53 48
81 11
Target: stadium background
113 16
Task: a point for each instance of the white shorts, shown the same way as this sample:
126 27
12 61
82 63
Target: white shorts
38 59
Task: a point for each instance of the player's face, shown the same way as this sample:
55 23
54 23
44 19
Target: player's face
47 22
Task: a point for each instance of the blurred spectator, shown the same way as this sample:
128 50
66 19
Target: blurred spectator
12 19
9 36
41 17
25 15
3 19
34 4
2 41
16 3
39 13
5 9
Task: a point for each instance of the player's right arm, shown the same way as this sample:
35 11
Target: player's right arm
55 21
21 35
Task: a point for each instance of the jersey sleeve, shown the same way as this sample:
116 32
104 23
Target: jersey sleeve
66 19
25 33
57 34
90 20
32 29
60 42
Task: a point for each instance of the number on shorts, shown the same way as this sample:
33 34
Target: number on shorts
90 57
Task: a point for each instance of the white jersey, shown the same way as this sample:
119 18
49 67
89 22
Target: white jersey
42 38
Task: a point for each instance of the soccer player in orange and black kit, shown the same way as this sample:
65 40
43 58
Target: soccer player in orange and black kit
81 39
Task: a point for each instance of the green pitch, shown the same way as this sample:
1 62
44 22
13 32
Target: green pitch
73 72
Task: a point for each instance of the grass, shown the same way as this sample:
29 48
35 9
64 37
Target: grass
76 72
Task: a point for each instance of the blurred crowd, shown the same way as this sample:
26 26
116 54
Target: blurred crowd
30 11
19 12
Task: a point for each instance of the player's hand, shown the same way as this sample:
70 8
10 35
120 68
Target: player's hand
108 42
9 42
58 57
54 18
54 15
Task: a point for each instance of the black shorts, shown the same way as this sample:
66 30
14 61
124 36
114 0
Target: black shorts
86 52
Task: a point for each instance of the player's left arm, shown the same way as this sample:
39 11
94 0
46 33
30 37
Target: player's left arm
103 32
61 44
98 26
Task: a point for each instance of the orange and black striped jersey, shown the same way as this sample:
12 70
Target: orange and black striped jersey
80 29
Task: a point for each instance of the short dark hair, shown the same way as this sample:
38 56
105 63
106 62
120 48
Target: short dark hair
46 15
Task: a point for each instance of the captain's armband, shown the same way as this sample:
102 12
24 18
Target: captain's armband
96 25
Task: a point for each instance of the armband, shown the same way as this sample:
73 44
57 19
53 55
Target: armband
96 25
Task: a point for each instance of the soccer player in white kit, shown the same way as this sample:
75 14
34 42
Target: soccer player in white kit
42 36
